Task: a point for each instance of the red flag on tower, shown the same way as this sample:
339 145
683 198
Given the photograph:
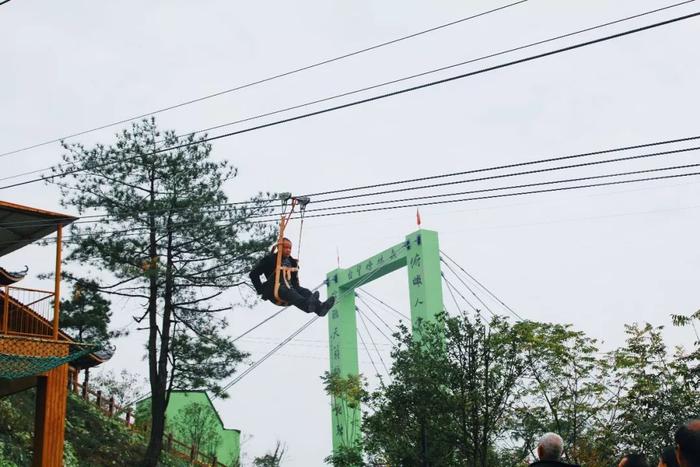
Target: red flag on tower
417 217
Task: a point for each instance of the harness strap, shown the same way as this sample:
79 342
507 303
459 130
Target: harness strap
278 260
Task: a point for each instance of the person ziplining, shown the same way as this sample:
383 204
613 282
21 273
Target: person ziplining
281 271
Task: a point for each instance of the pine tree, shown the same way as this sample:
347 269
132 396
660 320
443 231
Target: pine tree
170 239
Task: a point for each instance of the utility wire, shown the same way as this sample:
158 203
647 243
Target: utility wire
129 232
506 195
398 92
345 94
263 80
501 188
426 73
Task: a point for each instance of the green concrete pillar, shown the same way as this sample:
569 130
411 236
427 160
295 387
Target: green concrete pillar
420 252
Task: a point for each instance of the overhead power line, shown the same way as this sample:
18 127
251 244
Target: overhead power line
405 78
263 80
390 94
428 72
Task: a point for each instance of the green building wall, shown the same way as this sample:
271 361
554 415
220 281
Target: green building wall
229 449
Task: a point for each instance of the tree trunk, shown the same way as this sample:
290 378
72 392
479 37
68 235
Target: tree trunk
157 379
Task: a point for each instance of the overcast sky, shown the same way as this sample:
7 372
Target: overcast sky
595 258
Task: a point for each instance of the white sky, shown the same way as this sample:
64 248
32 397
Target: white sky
597 258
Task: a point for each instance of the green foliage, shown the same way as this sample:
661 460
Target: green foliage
477 394
86 314
198 426
346 395
564 391
449 395
91 438
271 459
660 390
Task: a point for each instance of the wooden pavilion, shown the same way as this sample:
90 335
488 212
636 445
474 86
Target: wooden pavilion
33 351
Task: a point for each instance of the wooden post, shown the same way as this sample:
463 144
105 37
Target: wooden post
6 310
57 282
128 416
49 424
98 401
214 462
169 443
193 452
111 406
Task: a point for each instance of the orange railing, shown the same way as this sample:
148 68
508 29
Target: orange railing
27 312
108 406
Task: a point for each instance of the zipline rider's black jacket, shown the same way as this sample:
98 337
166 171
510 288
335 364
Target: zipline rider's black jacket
266 266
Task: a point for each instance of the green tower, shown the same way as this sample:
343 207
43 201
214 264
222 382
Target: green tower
420 254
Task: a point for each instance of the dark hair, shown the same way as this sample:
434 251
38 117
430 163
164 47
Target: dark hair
687 438
668 457
635 460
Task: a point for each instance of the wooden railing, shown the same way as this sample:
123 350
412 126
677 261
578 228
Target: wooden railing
27 312
108 406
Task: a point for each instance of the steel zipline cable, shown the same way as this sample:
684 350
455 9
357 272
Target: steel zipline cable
226 207
123 233
388 94
272 77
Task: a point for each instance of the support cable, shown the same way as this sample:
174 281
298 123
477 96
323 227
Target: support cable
473 293
257 363
481 285
454 299
375 313
388 339
369 354
494 315
391 308
362 318
468 287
